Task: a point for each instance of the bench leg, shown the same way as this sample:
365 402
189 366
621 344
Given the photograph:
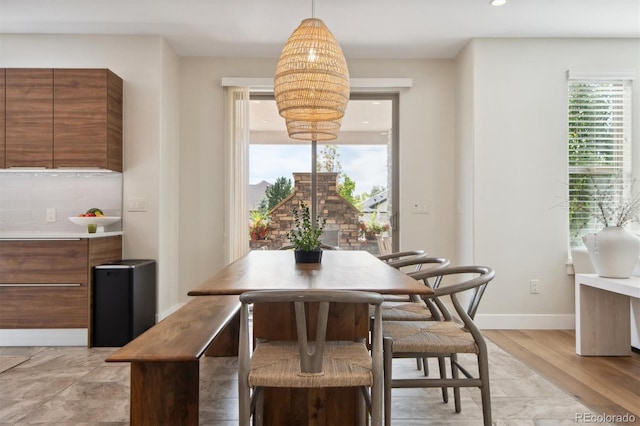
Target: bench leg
226 343
165 393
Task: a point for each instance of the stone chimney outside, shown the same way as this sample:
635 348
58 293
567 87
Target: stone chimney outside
342 227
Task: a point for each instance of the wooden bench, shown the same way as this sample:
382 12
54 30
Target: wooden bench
165 366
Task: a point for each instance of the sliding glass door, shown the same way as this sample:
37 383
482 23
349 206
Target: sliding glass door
356 175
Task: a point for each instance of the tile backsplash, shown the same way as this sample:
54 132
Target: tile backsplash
26 196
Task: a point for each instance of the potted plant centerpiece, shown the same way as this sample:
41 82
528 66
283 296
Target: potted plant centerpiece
305 237
614 251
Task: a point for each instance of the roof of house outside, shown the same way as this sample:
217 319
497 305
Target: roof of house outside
377 202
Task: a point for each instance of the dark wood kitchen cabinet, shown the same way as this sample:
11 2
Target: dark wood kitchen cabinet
2 119
47 283
61 118
87 125
28 117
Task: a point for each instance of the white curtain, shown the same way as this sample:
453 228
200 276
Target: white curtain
237 172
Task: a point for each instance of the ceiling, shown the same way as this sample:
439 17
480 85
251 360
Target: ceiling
364 122
364 28
377 29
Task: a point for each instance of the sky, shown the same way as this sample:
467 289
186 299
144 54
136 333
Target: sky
364 164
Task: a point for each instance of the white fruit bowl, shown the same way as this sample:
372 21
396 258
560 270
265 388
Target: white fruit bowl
99 221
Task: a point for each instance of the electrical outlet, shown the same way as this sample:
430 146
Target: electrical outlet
51 214
534 286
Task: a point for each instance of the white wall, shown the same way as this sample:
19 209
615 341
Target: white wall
426 149
148 68
463 162
496 118
426 155
25 198
519 143
169 174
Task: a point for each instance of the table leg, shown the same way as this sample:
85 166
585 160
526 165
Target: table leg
635 323
602 322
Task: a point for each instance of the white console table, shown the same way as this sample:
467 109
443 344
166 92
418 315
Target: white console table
607 315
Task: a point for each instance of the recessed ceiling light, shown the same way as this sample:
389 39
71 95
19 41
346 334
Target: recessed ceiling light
365 122
498 2
375 103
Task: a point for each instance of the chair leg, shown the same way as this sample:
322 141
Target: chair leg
376 404
456 390
443 375
425 365
258 416
377 395
362 409
485 393
388 362
244 402
422 364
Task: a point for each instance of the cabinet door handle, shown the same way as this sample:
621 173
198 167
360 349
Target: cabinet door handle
40 285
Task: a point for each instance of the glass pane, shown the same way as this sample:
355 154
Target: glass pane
353 177
598 156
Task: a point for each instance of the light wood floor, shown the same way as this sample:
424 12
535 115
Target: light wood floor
607 385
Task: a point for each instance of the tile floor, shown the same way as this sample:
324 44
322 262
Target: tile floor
74 386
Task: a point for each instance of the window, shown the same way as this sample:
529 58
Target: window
599 143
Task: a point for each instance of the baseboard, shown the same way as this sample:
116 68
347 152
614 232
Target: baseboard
44 337
78 336
525 321
56 336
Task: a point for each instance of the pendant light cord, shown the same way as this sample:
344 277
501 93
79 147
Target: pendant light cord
313 8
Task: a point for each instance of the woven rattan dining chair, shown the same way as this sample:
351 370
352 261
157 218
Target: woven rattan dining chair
400 255
400 260
414 308
447 338
305 364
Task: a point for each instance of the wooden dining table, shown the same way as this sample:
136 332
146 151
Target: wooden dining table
277 270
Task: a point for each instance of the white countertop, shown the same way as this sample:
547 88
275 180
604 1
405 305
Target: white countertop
34 235
627 286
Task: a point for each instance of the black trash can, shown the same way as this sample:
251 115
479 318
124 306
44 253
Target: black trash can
124 301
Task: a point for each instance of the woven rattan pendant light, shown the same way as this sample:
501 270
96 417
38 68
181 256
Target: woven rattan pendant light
311 87
313 130
312 80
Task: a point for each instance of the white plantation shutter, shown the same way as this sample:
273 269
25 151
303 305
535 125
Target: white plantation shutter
599 143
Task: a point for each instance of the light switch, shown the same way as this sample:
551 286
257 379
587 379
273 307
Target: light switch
138 205
420 208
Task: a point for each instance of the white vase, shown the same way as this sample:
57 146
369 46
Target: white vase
613 251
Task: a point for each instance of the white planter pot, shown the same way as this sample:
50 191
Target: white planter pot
613 251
